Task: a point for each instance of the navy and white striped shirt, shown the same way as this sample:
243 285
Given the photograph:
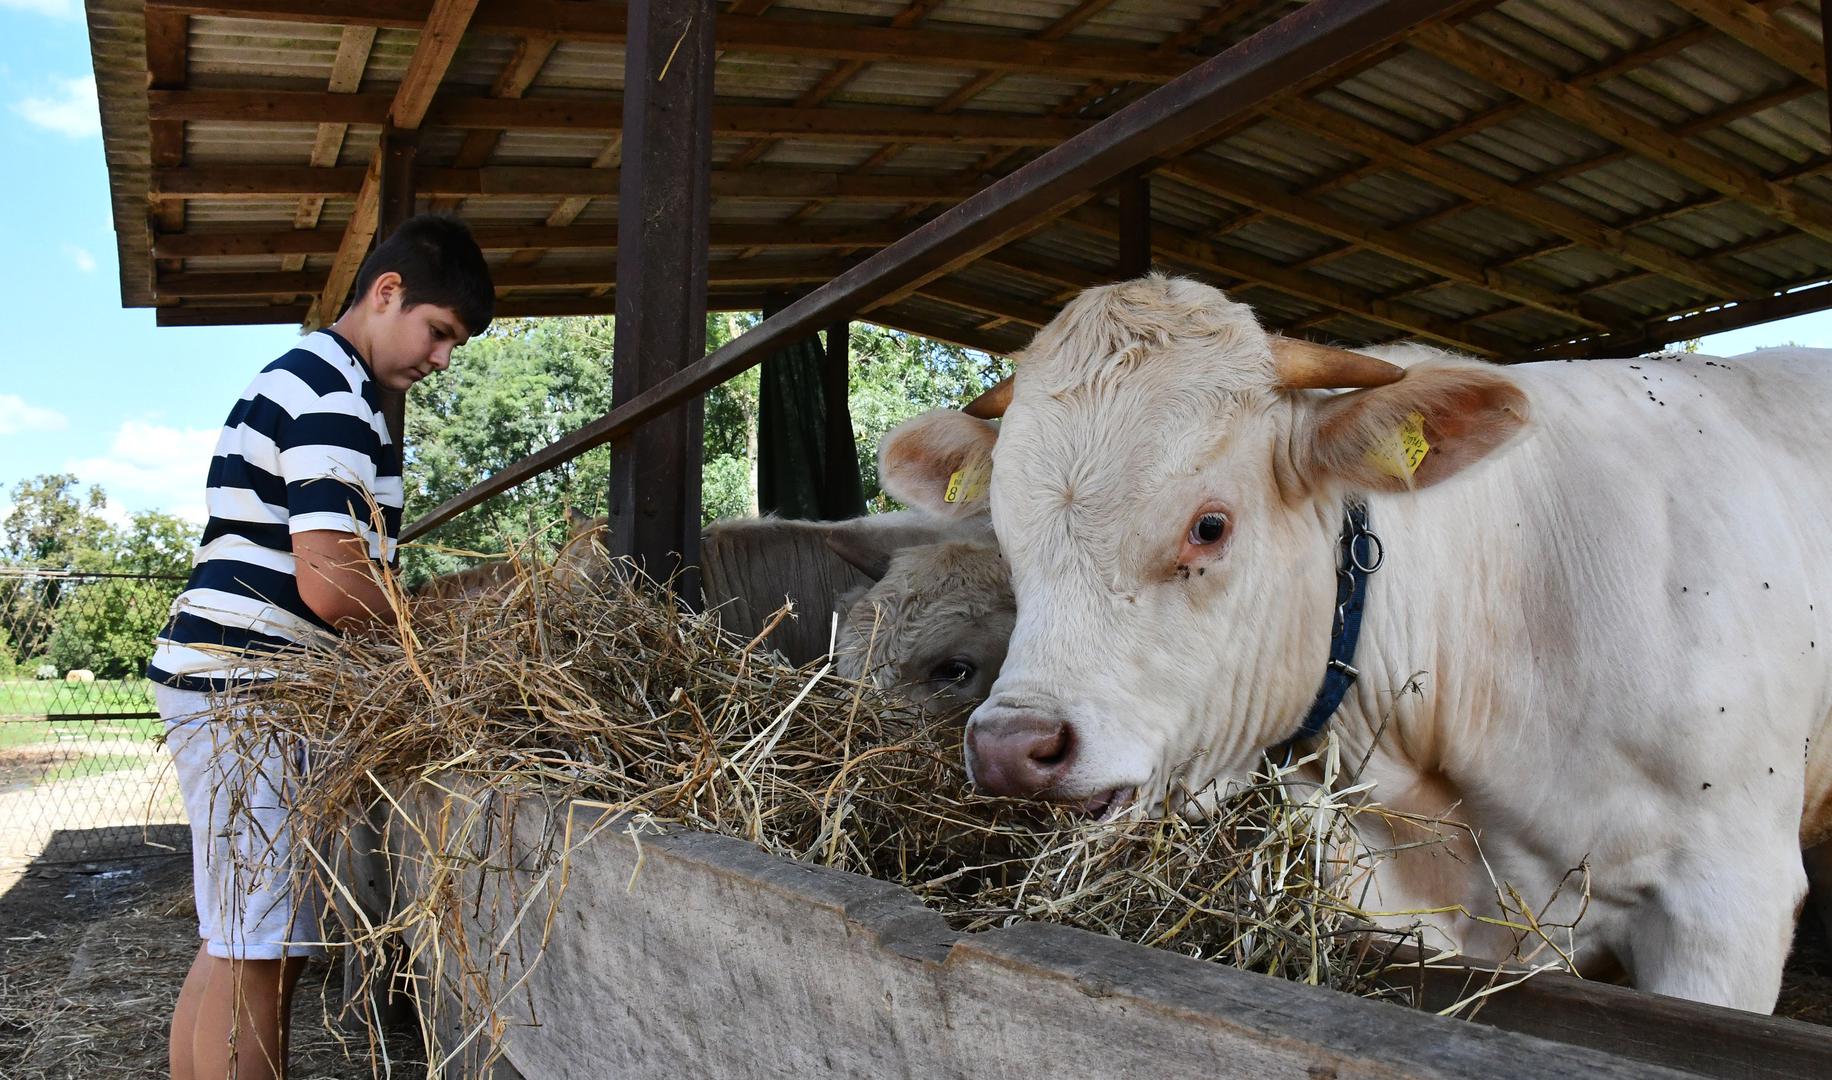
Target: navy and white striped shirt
305 448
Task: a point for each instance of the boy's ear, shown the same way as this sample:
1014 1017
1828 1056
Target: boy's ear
386 286
940 461
1430 425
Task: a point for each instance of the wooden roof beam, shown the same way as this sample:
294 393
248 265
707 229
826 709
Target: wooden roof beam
346 76
1245 188
961 296
1232 265
1479 187
506 308
524 66
167 52
1462 50
832 39
291 242
1761 31
968 337
594 274
1074 18
439 39
606 114
266 182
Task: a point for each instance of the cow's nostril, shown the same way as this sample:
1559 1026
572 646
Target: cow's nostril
1019 753
1053 749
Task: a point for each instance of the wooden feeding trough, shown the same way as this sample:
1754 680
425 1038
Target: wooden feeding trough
672 952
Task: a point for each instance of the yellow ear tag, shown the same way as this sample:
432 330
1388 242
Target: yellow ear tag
967 483
1400 454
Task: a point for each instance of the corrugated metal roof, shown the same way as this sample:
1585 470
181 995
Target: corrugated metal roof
1565 206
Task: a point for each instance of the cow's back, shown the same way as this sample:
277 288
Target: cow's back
1657 552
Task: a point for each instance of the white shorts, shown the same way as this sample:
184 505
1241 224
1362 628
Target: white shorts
236 795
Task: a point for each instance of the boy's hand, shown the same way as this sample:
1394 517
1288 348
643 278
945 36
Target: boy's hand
337 579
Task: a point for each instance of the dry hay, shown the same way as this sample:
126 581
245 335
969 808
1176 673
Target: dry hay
621 697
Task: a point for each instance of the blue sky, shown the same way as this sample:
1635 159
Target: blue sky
91 388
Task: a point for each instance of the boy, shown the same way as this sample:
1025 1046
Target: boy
288 552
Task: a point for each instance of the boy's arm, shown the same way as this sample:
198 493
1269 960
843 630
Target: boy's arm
337 580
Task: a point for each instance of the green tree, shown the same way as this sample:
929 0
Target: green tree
510 392
108 625
895 376
527 382
55 526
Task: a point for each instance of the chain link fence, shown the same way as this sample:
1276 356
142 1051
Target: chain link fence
82 775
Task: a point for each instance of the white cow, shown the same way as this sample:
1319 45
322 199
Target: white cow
1616 577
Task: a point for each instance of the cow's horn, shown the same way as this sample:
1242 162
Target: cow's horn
1305 365
992 404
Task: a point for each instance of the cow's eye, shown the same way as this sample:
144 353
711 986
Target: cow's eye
1208 529
955 669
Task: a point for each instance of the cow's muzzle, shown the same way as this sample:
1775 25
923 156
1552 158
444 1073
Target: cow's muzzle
1022 753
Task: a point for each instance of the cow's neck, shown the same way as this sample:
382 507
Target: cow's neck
1435 622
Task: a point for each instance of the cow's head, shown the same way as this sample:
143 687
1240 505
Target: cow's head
934 625
1167 489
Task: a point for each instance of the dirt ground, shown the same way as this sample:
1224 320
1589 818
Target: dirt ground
91 959
92 953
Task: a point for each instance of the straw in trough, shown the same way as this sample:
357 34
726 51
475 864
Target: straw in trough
619 695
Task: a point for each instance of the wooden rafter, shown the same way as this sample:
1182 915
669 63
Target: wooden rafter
1486 190
1463 50
346 76
167 50
824 39
525 237
571 114
955 101
1761 31
265 182
1233 265
518 74
582 275
439 39
1247 189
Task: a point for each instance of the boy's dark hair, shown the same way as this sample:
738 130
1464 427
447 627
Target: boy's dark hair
439 263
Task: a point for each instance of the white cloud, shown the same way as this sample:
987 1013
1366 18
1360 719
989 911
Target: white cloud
154 467
81 257
57 9
18 415
70 109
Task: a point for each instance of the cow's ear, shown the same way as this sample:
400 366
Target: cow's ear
862 549
1430 425
940 461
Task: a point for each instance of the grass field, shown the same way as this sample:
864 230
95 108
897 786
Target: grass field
26 698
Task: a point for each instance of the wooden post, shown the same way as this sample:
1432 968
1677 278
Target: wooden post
1135 226
396 204
843 492
663 202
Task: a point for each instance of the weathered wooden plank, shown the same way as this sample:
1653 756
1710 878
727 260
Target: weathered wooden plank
521 237
439 40
570 276
516 181
1706 1039
1761 31
606 114
826 39
754 966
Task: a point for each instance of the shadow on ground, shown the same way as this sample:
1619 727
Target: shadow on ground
91 958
